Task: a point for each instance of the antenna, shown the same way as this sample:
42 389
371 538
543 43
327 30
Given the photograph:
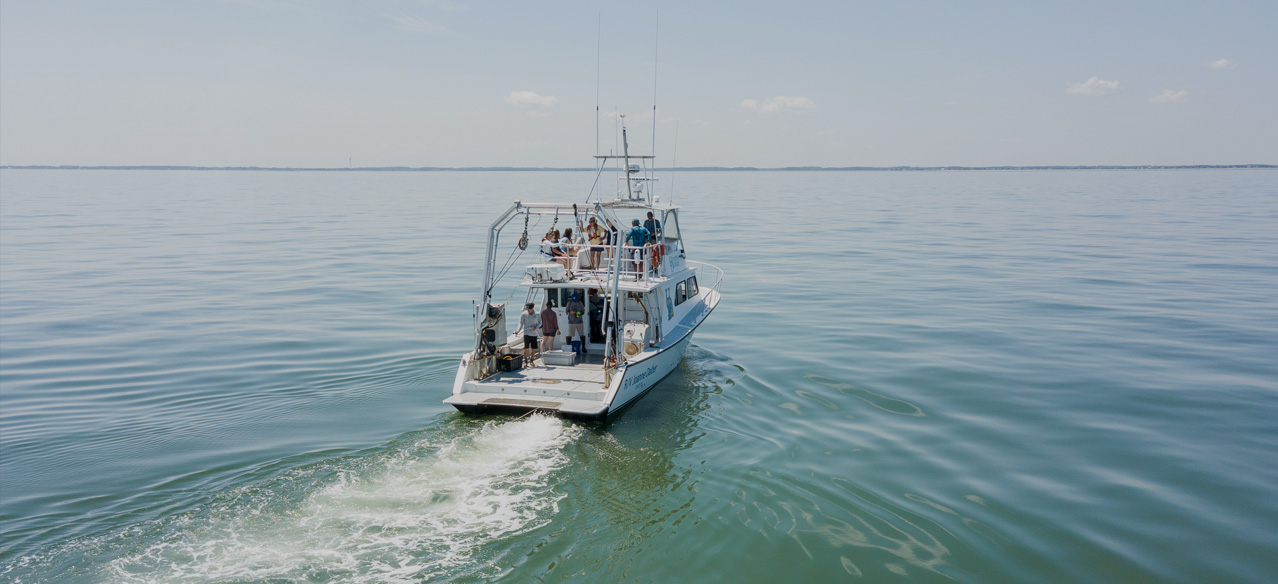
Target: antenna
598 44
626 152
674 161
617 119
656 35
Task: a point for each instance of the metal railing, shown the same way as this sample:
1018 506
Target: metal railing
636 261
706 272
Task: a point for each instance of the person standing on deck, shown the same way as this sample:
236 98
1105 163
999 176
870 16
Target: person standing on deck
529 322
549 327
569 248
595 234
575 310
654 229
637 238
652 225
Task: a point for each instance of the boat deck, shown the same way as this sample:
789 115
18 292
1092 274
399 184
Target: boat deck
577 388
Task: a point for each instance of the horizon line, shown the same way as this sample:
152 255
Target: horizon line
687 168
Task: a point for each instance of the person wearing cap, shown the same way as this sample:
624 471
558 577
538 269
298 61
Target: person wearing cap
637 238
575 328
529 322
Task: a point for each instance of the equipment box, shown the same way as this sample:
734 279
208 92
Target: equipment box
510 362
546 273
559 357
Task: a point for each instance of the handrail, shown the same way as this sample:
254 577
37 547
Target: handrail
702 267
572 264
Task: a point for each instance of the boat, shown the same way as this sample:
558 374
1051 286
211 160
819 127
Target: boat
638 301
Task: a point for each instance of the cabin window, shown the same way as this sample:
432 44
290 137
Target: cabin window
692 286
563 296
681 293
671 227
670 232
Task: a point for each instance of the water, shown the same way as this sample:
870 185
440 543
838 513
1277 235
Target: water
927 376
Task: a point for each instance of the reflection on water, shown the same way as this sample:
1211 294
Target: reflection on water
883 402
628 489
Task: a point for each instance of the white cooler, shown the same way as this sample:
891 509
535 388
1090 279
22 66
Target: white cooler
559 357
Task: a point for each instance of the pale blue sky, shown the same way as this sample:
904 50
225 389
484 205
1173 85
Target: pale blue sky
490 83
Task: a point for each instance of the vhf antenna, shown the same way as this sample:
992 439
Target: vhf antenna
656 34
598 44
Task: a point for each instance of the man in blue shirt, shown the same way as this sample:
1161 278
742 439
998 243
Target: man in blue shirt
652 225
637 238
654 229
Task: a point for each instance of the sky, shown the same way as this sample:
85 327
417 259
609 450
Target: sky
323 83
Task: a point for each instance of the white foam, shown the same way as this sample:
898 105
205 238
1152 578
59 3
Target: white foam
403 520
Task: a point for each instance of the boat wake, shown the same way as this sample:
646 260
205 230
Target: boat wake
404 516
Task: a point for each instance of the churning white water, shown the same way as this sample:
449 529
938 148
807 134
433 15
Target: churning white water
401 519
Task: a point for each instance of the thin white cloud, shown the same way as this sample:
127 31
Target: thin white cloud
442 4
275 5
1169 96
1093 86
417 24
1222 63
262 4
530 99
780 103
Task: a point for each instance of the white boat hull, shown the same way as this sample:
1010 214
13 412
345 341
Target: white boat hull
566 391
639 377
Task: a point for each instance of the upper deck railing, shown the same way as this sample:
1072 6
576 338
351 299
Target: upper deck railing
637 263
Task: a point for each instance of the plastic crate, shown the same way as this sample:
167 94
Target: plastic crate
559 357
510 363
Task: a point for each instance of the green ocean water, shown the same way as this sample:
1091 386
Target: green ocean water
913 376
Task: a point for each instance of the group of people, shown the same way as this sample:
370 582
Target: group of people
547 323
562 247
639 237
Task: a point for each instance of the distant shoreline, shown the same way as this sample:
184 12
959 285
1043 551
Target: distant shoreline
689 168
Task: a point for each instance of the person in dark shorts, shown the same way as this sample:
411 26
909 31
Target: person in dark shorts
529 322
595 234
549 327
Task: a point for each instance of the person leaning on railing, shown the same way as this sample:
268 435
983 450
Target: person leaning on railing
637 238
654 229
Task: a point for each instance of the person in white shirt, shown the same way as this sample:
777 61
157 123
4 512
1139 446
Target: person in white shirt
529 322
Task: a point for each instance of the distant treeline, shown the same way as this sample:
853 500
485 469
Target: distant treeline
691 168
